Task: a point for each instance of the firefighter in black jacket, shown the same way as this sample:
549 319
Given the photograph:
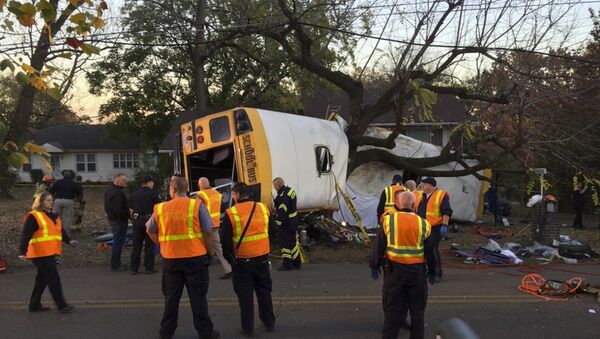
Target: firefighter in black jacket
287 218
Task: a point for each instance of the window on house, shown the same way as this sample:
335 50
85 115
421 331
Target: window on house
86 162
150 160
437 136
55 161
324 160
126 160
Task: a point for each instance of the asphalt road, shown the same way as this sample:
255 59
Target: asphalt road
321 301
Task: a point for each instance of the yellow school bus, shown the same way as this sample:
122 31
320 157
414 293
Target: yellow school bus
254 146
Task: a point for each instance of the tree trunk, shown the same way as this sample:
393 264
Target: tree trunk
201 91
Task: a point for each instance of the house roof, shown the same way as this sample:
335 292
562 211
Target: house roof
447 110
83 137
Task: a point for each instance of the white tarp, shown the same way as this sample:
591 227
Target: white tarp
367 182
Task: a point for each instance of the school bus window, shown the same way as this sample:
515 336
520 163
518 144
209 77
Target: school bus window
324 159
219 129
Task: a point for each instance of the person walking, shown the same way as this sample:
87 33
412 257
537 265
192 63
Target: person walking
287 218
40 242
402 244
245 237
141 206
64 192
182 227
213 200
115 206
435 207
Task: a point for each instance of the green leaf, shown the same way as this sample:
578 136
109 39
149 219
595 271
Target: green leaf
77 18
54 93
10 144
15 8
17 159
48 11
89 49
9 25
28 9
23 79
4 64
65 55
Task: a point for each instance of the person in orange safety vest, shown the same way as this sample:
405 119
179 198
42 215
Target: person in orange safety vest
245 239
41 241
386 200
183 229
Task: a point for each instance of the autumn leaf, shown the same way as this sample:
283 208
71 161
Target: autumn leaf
26 20
30 147
39 83
78 18
8 24
28 69
97 22
47 164
89 49
27 9
10 144
103 6
74 42
74 3
16 160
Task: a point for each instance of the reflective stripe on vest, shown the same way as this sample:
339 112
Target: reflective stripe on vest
390 191
41 219
238 225
400 223
190 224
213 205
434 204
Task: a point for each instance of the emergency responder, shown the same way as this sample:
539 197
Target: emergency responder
213 199
401 247
182 227
245 237
44 186
386 200
579 189
411 185
64 192
141 204
40 242
115 206
435 207
287 218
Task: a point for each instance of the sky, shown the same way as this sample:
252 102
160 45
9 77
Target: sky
571 31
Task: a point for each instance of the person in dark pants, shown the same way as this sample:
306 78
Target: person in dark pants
435 207
401 246
579 189
141 205
40 242
287 218
65 191
245 243
184 240
115 206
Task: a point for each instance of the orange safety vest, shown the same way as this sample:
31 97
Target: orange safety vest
406 233
256 240
47 240
212 199
390 192
179 231
418 197
434 204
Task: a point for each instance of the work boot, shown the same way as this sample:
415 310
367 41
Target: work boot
226 276
214 335
405 325
247 334
66 309
38 309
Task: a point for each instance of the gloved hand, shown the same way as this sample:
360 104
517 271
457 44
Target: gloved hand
444 231
375 272
432 278
74 243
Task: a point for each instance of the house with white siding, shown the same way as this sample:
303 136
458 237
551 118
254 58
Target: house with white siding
89 151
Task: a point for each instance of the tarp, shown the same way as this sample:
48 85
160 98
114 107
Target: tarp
366 183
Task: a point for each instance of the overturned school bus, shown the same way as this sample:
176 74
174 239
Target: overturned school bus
255 146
